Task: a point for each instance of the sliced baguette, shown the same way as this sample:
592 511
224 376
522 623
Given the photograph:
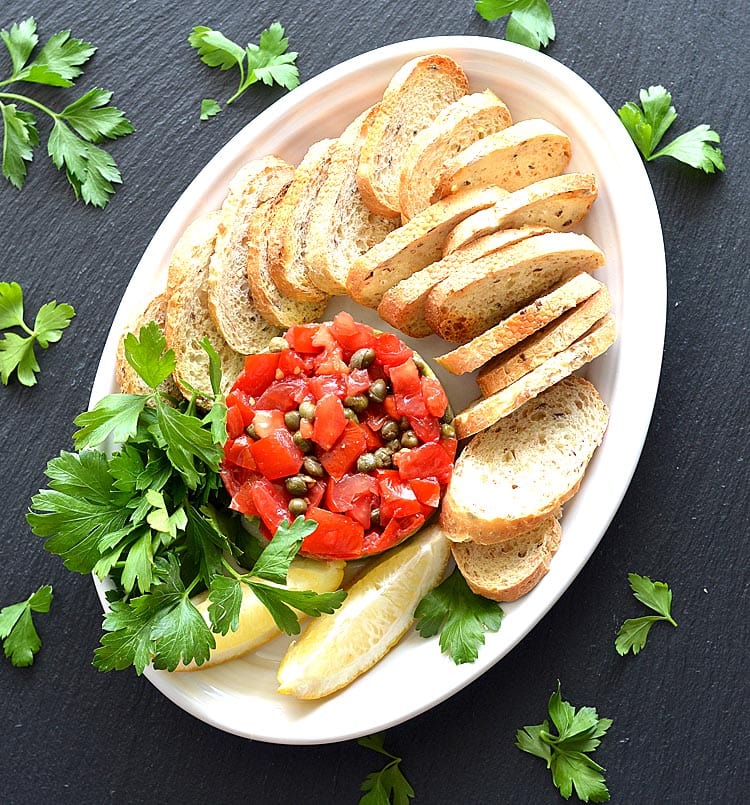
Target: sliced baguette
507 570
559 202
414 245
290 225
454 129
536 349
486 411
403 304
229 299
513 158
341 227
194 248
413 98
518 472
518 326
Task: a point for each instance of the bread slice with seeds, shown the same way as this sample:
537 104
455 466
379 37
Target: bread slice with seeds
507 570
518 326
194 247
413 98
513 158
483 413
559 202
533 351
455 128
518 472
488 290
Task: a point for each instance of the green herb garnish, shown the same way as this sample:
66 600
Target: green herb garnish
657 596
530 22
17 631
387 786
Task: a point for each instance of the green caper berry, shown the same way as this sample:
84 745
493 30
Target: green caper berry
297 506
447 415
409 439
307 409
250 431
375 517
305 445
382 458
404 424
393 446
357 402
447 431
296 485
277 344
313 467
362 358
366 462
292 420
390 430
351 414
378 390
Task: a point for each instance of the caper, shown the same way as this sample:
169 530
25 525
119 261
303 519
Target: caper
404 424
357 402
313 467
305 445
277 344
250 431
366 462
375 517
409 439
378 390
296 485
382 458
362 358
351 414
389 430
447 414
393 446
297 506
307 409
292 420
447 431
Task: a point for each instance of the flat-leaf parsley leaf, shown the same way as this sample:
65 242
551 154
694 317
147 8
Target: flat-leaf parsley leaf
17 631
530 22
655 595
387 786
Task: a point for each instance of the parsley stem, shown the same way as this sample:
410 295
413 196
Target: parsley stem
232 571
31 102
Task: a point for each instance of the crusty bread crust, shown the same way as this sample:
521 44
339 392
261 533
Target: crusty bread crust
195 247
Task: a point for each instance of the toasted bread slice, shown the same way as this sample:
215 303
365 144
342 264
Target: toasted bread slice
290 225
413 98
403 304
195 247
414 245
128 380
513 158
521 324
486 411
229 299
188 320
507 570
519 471
455 128
341 227
272 304
559 202
533 351
488 290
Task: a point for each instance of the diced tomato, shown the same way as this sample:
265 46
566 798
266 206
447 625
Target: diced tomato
375 416
331 360
350 334
233 477
242 500
235 423
397 530
320 385
329 422
293 364
285 395
306 428
341 494
270 504
357 382
300 337
277 456
434 396
450 446
397 498
238 451
315 494
427 491
390 408
424 461
390 350
259 373
237 398
407 390
344 454
426 427
266 422
372 438
337 536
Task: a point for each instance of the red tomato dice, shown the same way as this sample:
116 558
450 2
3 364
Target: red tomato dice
329 422
277 456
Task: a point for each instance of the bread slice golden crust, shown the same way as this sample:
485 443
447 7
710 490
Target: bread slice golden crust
513 158
488 290
484 412
508 570
414 245
342 227
520 325
229 299
290 225
454 129
195 247
519 471
559 202
412 99
535 350
403 304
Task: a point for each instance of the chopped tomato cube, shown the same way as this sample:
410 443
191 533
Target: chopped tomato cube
306 428
285 395
238 451
423 462
292 364
237 398
277 456
235 423
233 477
372 438
320 385
270 504
259 373
357 382
266 422
397 498
426 427
427 491
329 422
315 494
434 396
350 334
375 416
331 360
397 530
337 536
300 337
450 446
390 350
344 454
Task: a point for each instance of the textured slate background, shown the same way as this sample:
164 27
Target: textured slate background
71 734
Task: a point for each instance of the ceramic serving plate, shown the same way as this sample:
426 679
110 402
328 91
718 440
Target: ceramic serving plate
240 697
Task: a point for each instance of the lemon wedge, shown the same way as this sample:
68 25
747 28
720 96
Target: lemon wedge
379 608
256 624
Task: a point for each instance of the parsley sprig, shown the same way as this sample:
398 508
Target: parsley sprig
387 786
459 615
530 22
657 596
77 129
268 61
17 631
648 123
17 351
567 752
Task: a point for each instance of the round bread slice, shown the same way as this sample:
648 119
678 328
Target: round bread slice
507 570
454 129
194 248
515 474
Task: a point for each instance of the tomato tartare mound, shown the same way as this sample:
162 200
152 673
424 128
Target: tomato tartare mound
345 425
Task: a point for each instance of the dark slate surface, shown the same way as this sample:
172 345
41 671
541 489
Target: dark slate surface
71 734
